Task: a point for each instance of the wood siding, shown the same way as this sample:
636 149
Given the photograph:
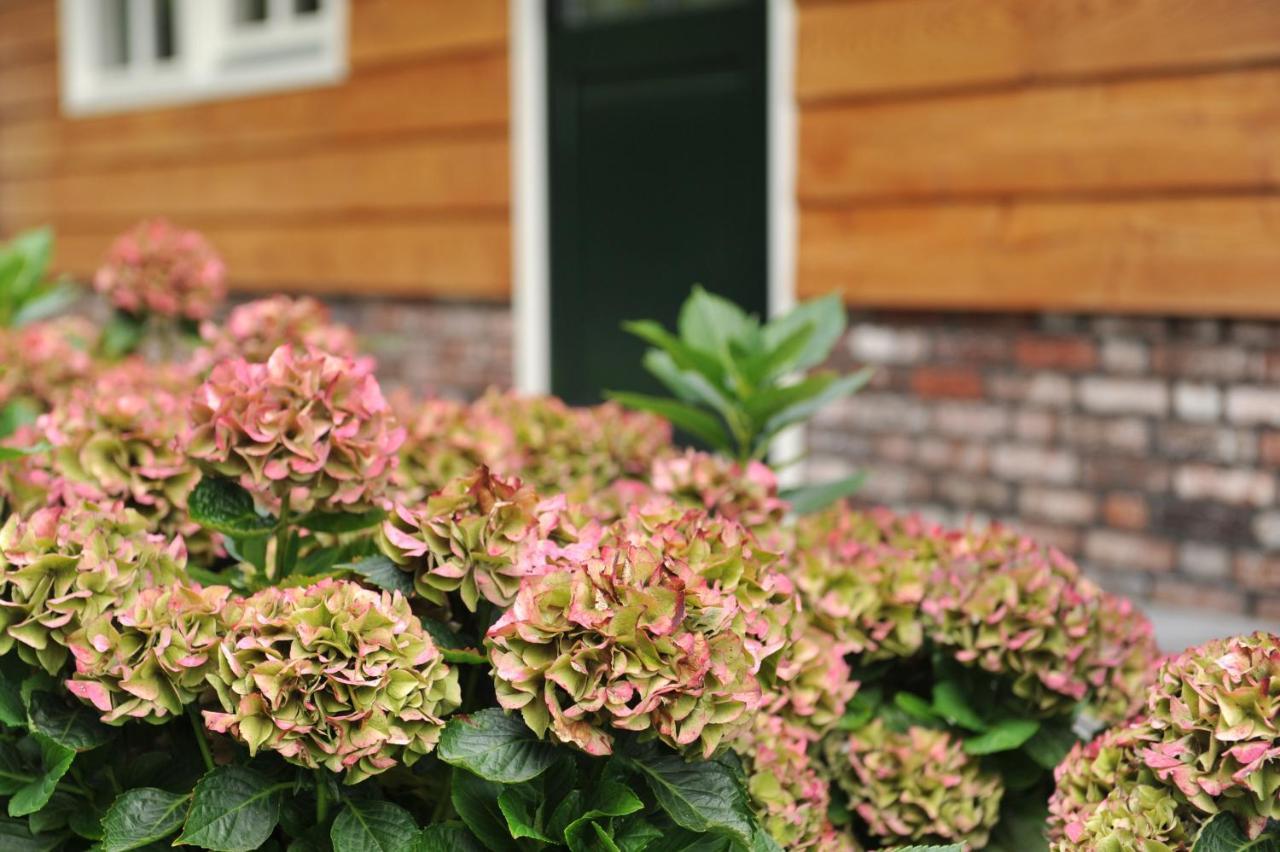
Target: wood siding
394 182
1104 155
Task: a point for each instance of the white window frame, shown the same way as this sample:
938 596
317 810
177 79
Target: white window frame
216 56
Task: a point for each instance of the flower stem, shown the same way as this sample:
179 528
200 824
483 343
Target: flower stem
322 800
282 540
201 740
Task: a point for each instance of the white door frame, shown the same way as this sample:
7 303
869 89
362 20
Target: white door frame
531 265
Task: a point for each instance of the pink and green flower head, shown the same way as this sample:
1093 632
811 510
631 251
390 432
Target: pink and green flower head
254 330
64 567
157 268
305 424
333 675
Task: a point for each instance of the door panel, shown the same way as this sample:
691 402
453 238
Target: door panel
658 177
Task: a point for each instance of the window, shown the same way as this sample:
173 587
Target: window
128 54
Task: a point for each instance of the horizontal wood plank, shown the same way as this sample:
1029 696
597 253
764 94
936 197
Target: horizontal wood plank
28 88
28 31
873 47
436 174
1209 132
1205 256
391 29
457 259
455 94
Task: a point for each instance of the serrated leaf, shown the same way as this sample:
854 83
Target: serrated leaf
609 799
233 809
826 317
519 804
141 816
341 522
807 499
1004 735
223 506
381 572
373 826
476 801
1222 834
13 713
702 796
495 746
707 322
55 760
447 837
72 725
802 410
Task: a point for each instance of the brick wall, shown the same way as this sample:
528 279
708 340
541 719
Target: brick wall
457 349
1147 448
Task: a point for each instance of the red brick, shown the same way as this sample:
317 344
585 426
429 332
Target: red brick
1128 551
1258 570
947 383
1268 607
1269 448
1126 510
1175 592
1036 352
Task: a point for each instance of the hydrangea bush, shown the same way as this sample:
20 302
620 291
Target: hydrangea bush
246 601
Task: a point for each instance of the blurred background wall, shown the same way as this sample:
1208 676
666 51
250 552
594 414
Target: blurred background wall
1054 222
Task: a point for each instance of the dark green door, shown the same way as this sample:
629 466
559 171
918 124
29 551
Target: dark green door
657 114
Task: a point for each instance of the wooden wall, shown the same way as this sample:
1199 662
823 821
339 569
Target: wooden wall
392 182
1041 154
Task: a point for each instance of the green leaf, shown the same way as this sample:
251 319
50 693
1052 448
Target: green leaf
453 647
74 726
703 796
861 708
1004 735
827 319
698 423
10 453
519 804
915 706
15 836
222 505
373 826
141 816
447 837
807 499
768 402
685 356
708 322
495 746
635 834
1222 834
120 335
13 712
53 301
17 413
609 799
476 801
234 809
381 572
1022 826
951 847
33 249
55 760
761 841
663 368
774 361
951 703
1051 743
804 409
341 522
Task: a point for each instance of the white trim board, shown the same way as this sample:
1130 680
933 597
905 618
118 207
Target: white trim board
531 267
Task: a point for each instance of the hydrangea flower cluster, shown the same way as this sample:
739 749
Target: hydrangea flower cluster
44 360
306 425
149 659
478 536
62 568
1209 743
119 441
254 330
746 493
553 447
638 636
994 601
161 269
786 788
915 785
333 675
